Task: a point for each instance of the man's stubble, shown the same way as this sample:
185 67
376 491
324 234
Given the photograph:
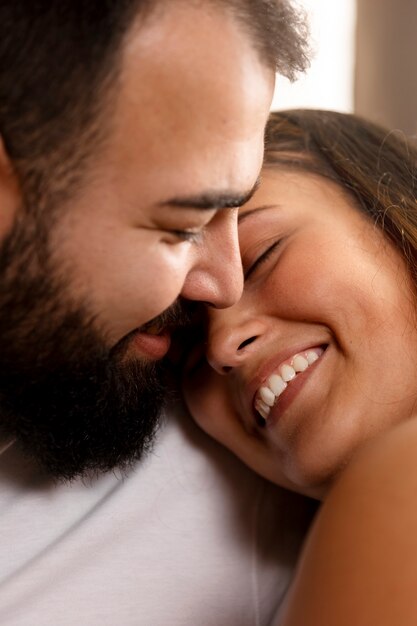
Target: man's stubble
74 404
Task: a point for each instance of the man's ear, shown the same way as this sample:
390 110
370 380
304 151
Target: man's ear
10 196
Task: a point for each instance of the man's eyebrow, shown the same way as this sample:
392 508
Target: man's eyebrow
242 216
212 200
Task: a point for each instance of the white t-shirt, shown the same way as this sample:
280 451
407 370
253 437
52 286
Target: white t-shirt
190 537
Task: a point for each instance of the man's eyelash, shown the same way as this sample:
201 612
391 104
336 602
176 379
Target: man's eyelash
187 235
261 259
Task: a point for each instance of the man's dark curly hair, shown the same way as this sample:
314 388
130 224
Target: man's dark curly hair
59 64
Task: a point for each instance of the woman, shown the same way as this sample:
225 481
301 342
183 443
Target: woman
313 374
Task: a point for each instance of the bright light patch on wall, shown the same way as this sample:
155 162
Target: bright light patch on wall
328 83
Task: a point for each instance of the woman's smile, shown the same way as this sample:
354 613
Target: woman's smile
277 392
302 359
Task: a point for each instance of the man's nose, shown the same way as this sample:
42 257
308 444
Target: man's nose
233 336
216 277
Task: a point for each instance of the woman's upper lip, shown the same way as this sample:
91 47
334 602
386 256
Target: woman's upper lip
271 366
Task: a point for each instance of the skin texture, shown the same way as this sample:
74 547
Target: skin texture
179 120
332 281
82 379
347 574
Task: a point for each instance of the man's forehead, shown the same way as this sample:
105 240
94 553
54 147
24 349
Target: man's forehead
180 86
204 36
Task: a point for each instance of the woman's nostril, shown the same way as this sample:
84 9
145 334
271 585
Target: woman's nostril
225 369
246 342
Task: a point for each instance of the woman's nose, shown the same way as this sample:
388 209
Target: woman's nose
230 339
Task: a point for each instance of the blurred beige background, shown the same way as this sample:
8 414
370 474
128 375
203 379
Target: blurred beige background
364 53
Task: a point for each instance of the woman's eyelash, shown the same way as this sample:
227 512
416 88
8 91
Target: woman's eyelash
261 259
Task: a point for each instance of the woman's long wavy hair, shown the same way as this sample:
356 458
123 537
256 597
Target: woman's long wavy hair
378 167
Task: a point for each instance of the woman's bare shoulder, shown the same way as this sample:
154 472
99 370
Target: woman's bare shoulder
359 566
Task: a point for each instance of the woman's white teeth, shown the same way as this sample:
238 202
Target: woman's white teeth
277 383
287 373
267 396
311 357
262 408
300 363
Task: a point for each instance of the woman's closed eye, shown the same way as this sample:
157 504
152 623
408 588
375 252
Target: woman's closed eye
262 258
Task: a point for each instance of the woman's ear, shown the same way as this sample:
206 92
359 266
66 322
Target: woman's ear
10 196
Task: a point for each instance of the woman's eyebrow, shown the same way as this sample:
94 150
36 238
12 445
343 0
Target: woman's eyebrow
246 214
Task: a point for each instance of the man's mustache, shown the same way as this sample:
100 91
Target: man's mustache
178 315
181 314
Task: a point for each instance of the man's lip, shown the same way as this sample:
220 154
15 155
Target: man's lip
271 366
151 346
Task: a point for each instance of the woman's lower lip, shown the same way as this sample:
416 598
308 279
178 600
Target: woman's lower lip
150 346
290 394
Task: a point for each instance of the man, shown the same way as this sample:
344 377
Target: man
131 131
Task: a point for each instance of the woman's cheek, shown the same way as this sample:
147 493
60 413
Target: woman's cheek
206 398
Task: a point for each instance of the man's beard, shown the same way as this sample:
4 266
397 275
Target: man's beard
75 406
